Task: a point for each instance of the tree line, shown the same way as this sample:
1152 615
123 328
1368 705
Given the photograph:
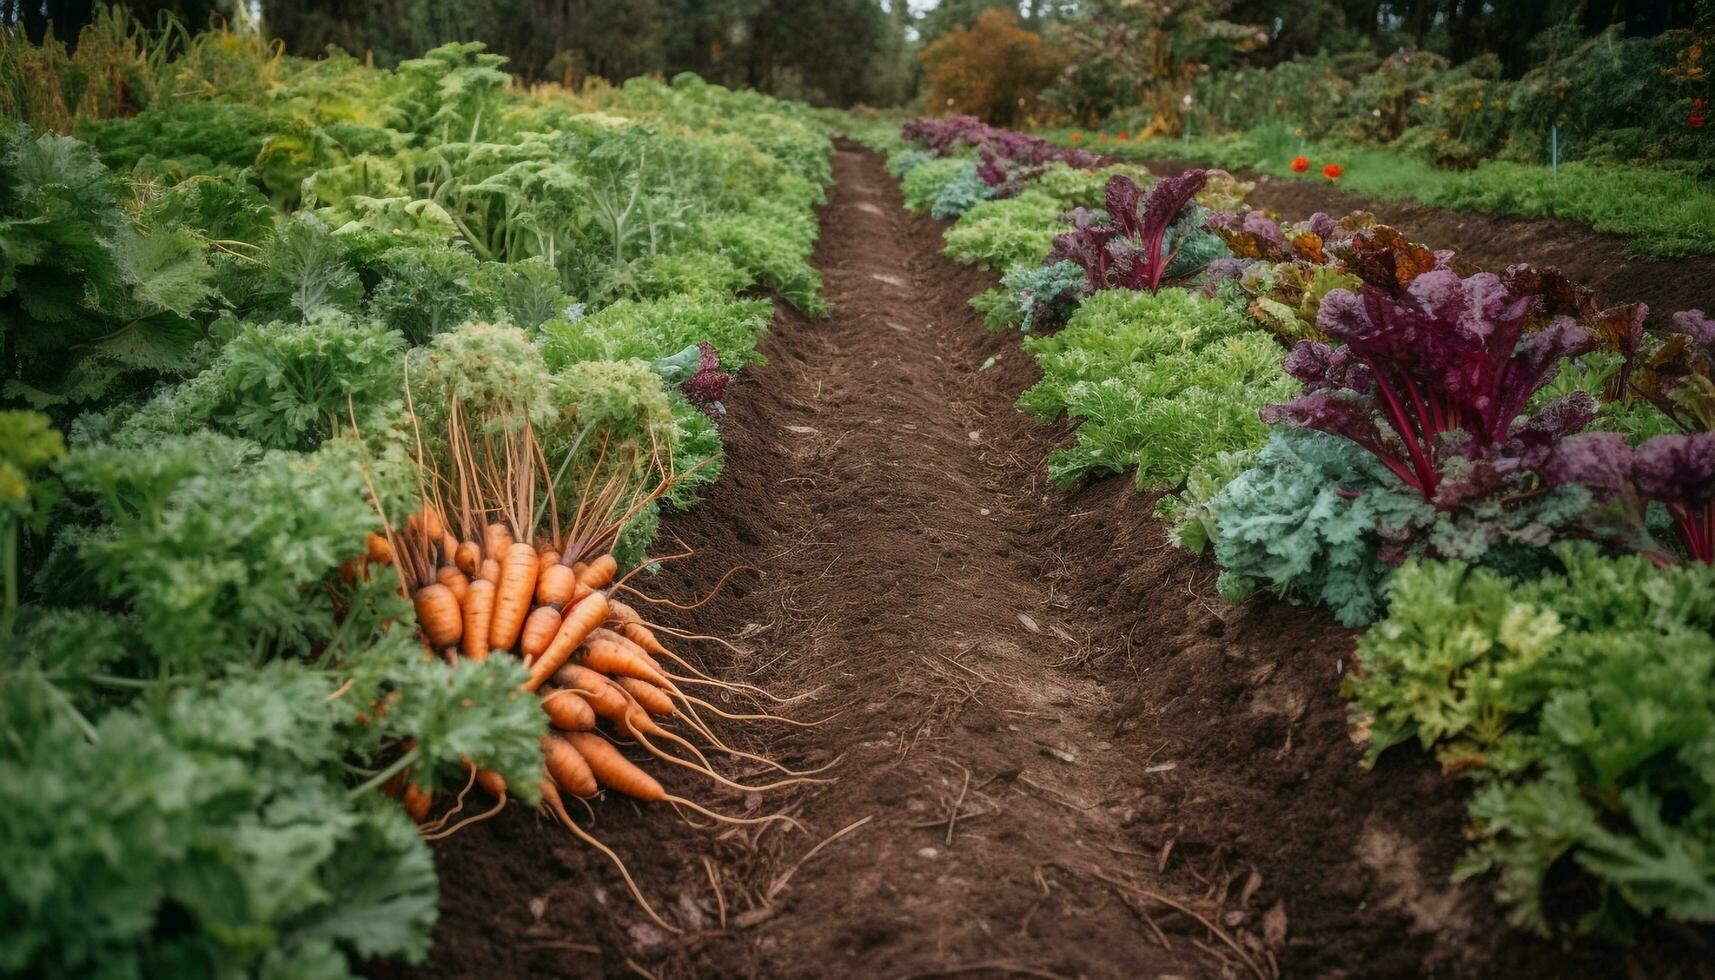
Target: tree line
846 52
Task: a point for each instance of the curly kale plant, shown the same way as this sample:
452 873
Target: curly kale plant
959 195
1158 381
1316 518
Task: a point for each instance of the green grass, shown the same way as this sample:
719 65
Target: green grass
1665 214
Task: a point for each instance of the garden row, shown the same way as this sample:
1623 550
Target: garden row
1511 486
344 386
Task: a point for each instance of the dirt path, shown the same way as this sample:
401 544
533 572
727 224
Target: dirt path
1063 756
903 576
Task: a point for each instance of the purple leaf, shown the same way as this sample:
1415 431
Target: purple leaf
1695 325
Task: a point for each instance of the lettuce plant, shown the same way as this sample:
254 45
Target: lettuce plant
1435 381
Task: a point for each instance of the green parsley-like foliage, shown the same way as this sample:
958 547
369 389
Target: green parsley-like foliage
1159 382
1580 701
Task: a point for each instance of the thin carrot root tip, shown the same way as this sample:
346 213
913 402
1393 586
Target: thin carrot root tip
551 799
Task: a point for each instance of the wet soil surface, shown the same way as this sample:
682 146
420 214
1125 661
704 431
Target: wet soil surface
1060 754
1495 241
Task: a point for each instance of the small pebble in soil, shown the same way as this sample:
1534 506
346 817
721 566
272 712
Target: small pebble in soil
928 852
984 511
975 436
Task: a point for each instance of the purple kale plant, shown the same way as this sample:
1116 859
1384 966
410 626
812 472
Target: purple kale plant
1133 248
1675 471
1433 379
705 388
944 135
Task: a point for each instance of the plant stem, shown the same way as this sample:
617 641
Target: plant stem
399 765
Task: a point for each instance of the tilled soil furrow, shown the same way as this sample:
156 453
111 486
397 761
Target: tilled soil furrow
917 598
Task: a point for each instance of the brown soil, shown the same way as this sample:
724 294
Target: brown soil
1062 755
1494 241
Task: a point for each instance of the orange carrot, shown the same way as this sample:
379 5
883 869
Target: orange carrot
623 613
468 557
566 763
417 801
632 627
579 621
613 770
653 699
568 711
625 643
604 698
644 637
600 572
616 772
539 630
449 546
438 614
554 587
478 611
492 782
378 549
453 579
512 597
603 655
496 538
490 570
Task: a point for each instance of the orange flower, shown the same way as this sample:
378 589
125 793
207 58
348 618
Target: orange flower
1077 137
1121 136
1332 171
1300 164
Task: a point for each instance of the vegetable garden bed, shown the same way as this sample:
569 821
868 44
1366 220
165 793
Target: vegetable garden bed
394 585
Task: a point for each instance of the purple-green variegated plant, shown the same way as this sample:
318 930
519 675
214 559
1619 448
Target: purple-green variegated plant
1133 248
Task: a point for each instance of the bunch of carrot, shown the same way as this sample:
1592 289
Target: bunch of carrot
491 571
